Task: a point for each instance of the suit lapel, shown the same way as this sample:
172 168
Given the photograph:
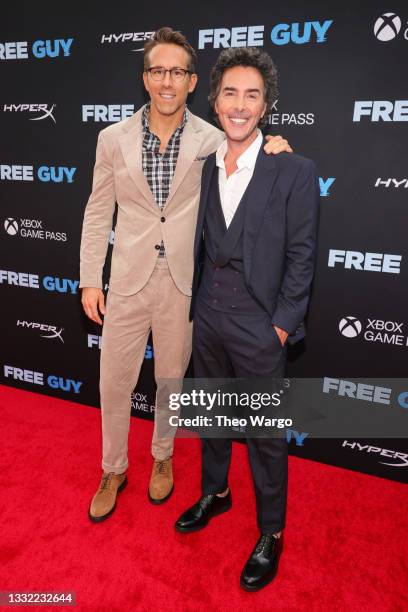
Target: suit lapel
208 171
258 195
131 147
190 144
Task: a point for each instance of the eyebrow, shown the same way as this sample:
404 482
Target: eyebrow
172 68
252 90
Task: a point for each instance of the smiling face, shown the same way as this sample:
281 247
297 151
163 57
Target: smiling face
169 97
240 103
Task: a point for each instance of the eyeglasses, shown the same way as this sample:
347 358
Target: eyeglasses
158 73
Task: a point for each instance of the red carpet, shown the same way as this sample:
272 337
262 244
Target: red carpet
346 543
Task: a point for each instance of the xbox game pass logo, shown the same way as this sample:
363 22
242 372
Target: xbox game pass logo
387 27
11 226
350 327
32 228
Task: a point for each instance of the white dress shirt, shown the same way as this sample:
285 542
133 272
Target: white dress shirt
232 188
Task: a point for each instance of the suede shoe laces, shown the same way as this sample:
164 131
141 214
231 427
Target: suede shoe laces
106 483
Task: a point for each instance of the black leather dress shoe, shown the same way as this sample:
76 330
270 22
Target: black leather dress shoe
197 516
262 565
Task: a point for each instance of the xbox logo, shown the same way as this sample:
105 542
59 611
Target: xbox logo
387 27
11 226
350 327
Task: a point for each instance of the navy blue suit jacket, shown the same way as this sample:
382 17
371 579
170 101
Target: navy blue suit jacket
279 239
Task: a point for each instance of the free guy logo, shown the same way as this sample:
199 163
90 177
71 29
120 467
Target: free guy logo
39 49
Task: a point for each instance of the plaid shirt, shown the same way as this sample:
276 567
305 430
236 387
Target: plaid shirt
159 168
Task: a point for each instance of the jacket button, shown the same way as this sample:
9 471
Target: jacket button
162 219
157 247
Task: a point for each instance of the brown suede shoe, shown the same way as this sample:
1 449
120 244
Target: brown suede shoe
104 500
161 481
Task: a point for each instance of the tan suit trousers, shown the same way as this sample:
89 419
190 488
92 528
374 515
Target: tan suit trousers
163 309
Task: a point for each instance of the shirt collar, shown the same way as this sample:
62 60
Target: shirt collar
146 125
248 157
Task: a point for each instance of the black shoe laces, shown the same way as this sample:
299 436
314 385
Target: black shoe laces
264 544
205 501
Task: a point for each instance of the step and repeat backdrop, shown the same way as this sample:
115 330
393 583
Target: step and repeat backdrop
66 73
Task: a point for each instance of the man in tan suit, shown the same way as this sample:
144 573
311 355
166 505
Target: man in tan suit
150 164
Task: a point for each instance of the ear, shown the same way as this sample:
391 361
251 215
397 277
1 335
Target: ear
145 81
264 110
193 82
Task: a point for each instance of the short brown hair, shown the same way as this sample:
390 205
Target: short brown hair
246 56
169 36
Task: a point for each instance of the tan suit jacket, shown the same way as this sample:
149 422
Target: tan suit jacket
118 176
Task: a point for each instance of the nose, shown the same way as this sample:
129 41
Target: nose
167 79
240 102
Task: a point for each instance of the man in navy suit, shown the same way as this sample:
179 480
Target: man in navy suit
254 260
